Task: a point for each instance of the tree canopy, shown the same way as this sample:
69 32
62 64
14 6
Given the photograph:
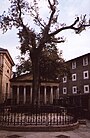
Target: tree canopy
52 65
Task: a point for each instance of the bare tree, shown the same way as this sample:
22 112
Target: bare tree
31 41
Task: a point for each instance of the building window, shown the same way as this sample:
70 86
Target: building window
73 77
64 90
85 75
85 61
74 89
64 79
8 71
74 65
86 88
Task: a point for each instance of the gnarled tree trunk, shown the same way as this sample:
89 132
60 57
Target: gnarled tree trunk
35 57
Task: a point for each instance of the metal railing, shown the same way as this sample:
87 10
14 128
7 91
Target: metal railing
35 116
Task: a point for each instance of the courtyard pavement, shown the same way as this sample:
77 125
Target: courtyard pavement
82 132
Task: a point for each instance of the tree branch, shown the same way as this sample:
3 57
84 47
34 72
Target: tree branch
78 29
66 27
29 34
53 9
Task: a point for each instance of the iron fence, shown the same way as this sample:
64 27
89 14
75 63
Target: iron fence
35 116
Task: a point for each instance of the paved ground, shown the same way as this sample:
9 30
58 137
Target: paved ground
82 132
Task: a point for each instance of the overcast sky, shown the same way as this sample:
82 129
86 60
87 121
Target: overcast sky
75 45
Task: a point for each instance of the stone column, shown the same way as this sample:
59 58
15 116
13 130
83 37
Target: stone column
51 95
1 60
57 93
31 95
24 95
45 98
38 97
17 94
